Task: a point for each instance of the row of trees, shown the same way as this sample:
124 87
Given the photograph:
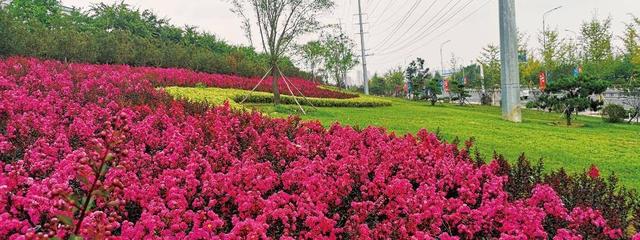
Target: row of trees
590 50
576 69
120 34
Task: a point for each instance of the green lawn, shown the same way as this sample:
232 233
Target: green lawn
612 147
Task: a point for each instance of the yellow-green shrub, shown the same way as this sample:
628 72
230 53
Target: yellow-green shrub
217 96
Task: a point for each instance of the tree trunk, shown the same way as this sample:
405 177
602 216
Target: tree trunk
568 115
635 115
274 83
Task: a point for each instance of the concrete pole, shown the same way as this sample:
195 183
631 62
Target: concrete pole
510 76
365 77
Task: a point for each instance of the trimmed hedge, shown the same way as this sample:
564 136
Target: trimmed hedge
217 96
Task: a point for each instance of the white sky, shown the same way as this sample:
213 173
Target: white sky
475 25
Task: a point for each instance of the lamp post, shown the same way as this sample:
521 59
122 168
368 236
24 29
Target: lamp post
576 39
441 60
544 34
442 65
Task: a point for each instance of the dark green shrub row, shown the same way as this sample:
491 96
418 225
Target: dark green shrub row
119 34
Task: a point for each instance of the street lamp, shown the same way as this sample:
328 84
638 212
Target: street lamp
544 17
442 61
576 42
544 33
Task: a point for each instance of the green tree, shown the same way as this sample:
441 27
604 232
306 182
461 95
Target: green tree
558 55
571 95
596 39
460 92
417 75
631 37
45 29
45 12
490 61
433 89
377 85
312 55
389 84
394 81
280 23
631 59
339 56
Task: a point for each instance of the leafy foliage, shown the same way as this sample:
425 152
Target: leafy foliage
390 84
618 205
339 56
418 76
121 34
614 113
490 81
460 92
570 95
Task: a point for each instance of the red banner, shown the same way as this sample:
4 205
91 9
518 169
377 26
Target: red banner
543 81
446 85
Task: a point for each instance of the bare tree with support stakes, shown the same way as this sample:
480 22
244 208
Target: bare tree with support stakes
279 23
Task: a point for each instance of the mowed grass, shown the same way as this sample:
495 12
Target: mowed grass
612 147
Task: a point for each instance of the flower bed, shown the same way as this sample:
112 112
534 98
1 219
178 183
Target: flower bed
97 152
217 96
188 78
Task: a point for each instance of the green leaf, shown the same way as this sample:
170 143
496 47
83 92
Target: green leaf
103 193
83 179
65 219
75 237
91 205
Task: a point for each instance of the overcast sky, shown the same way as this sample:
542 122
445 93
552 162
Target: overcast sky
394 39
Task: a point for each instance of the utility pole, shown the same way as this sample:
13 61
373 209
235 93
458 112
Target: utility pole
510 76
365 77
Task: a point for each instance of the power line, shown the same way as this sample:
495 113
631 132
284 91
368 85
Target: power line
402 21
450 28
414 23
395 13
433 21
375 7
427 33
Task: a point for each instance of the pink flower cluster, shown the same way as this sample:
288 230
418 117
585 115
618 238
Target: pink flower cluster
97 152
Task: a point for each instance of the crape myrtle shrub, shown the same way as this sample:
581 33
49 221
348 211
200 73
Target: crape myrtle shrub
620 206
90 152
